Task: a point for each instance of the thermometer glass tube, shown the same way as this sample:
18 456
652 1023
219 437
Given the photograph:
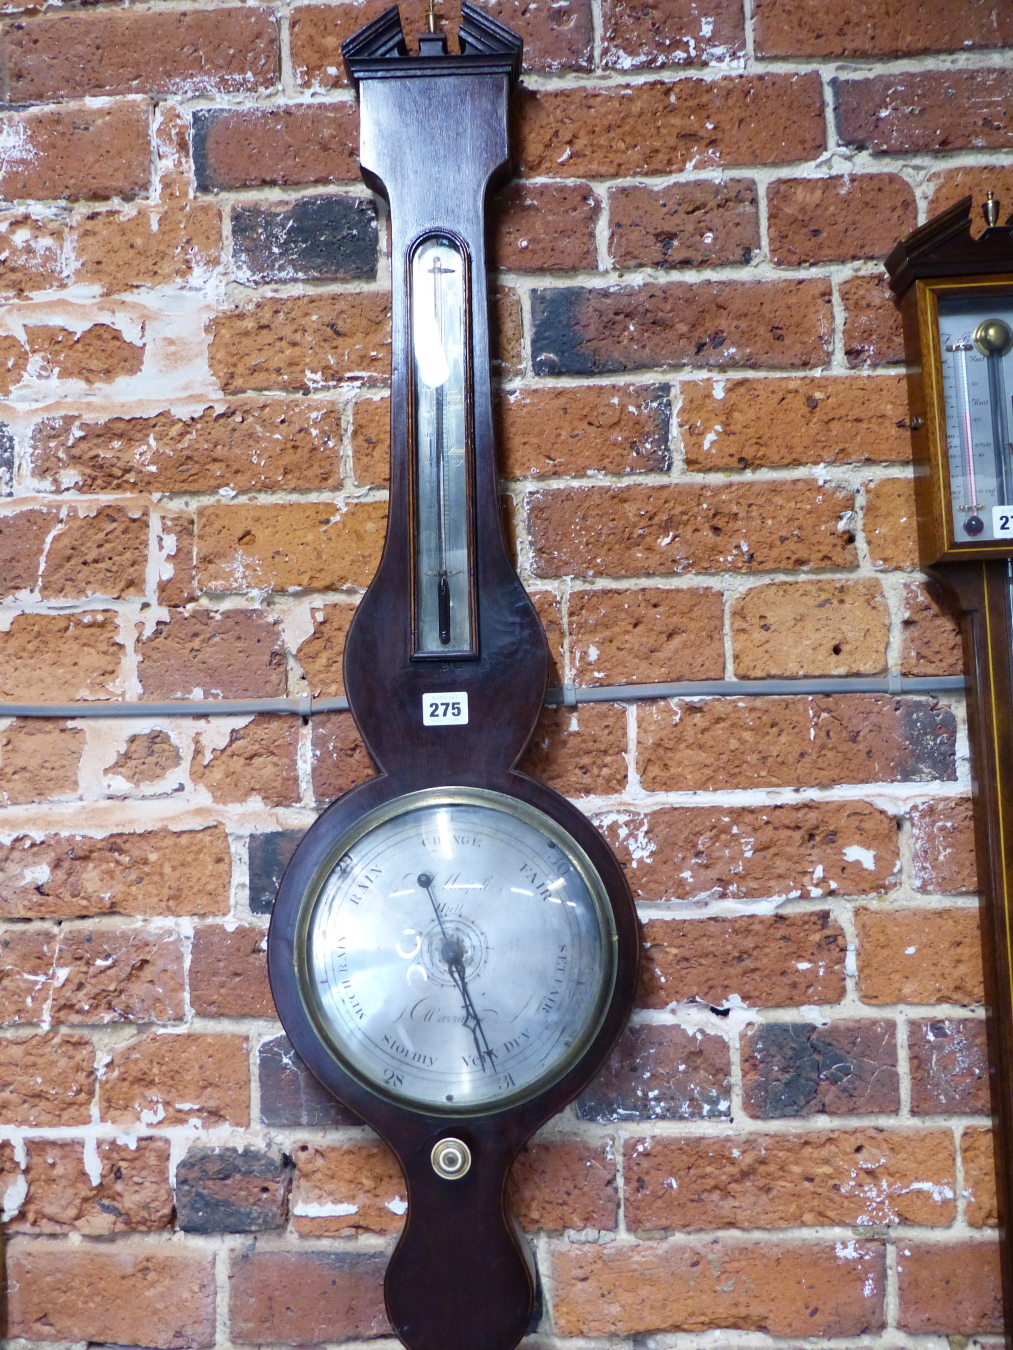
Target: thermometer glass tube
976 346
438 299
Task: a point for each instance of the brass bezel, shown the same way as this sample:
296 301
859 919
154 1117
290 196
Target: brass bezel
939 539
457 796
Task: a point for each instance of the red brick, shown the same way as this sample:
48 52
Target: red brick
114 1294
564 1183
224 1189
232 653
77 151
795 628
639 36
187 52
661 1073
289 1094
942 835
953 1287
930 635
978 1157
98 355
645 636
371 441
23 538
872 327
582 430
97 551
32 253
301 341
950 185
547 605
699 224
784 325
276 147
555 37
506 358
926 111
316 33
340 1297
581 752
147 758
228 972
725 424
258 761
39 760
177 581
56 658
340 760
766 961
160 873
47 1080
664 531
116 975
27 972
949 1067
793 742
857 28
254 445
780 1181
683 853
919 956
794 1069
347 1190
296 546
646 129
132 1194
321 654
821 220
889 521
173 1079
788 1288
543 227
148 246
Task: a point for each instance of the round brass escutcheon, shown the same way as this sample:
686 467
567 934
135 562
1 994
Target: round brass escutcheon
451 1159
993 335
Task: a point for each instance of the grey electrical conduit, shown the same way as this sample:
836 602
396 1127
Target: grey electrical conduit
569 696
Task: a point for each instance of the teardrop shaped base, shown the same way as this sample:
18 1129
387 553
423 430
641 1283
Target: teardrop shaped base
462 1276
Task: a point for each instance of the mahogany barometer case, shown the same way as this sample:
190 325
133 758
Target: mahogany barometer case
453 950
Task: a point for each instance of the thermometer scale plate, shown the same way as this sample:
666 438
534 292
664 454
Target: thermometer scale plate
976 356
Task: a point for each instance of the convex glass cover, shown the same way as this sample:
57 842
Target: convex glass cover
459 950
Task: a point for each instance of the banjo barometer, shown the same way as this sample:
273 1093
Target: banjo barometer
453 949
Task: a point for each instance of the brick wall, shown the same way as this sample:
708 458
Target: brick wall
703 427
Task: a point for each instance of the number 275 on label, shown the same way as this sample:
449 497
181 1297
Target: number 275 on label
445 710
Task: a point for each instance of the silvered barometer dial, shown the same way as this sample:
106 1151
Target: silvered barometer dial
459 953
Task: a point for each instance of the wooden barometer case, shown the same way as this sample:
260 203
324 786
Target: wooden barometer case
956 296
453 949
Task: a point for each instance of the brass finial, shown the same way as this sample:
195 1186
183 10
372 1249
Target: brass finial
431 20
991 207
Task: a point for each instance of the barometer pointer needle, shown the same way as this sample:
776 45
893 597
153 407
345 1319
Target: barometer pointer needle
451 953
